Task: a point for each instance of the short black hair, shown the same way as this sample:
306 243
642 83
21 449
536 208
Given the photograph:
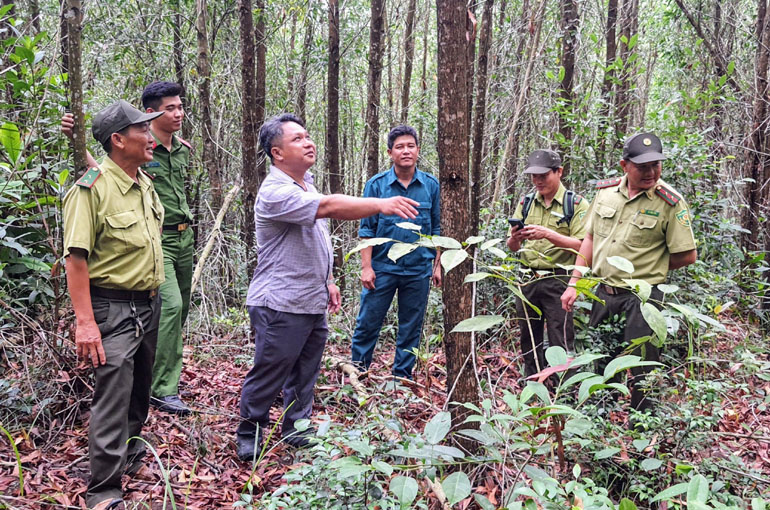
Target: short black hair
153 94
401 130
272 128
107 145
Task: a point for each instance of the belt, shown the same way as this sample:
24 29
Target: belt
181 227
614 291
124 295
542 273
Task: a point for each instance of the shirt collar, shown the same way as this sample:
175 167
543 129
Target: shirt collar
282 176
392 177
175 143
122 179
623 188
558 197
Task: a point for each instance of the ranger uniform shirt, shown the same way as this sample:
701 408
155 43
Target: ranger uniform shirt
118 222
167 170
541 253
645 230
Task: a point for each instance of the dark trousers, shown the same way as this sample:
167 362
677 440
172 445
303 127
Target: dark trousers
412 298
545 293
626 303
287 355
121 399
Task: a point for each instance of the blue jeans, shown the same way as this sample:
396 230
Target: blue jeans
412 299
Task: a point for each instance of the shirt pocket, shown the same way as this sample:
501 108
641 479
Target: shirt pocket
642 232
125 231
604 220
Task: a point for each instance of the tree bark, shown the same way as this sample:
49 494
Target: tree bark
408 59
453 176
569 26
178 60
423 78
623 99
64 37
306 51
374 81
248 131
333 121
204 96
74 17
611 49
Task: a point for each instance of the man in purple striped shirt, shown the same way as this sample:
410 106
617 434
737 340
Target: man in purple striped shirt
292 287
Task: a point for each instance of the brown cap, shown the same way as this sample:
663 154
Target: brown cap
643 148
542 161
119 115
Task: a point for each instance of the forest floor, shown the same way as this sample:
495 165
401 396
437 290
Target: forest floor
198 451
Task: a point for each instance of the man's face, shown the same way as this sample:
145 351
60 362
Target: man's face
641 176
547 184
171 121
296 149
135 143
404 152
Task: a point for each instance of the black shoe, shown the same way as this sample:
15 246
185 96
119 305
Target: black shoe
135 462
171 404
248 451
299 439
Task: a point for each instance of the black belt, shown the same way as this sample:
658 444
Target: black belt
614 291
123 295
541 273
180 227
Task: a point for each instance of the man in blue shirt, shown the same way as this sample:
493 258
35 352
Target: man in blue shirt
411 274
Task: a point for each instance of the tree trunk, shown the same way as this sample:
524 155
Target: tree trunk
178 59
63 37
74 18
624 98
479 120
34 13
204 96
306 51
423 78
611 49
453 175
374 81
333 122
470 35
291 72
248 132
569 26
408 59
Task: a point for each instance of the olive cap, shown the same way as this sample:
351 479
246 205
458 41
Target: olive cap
542 161
119 115
643 148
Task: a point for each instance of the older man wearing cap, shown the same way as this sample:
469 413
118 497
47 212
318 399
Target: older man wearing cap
644 220
548 241
112 225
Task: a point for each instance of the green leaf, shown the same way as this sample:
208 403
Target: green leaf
497 252
405 490
626 504
587 387
625 362
456 487
485 504
348 467
366 243
641 287
671 492
655 320
438 427
445 242
474 240
621 263
665 288
408 225
538 389
488 244
475 277
758 504
606 453
651 464
697 490
398 250
382 467
452 258
10 138
34 264
478 323
640 444
556 355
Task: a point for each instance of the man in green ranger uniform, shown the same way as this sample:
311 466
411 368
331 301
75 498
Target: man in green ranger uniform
171 157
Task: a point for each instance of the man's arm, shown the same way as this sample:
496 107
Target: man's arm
437 275
585 258
344 207
681 259
534 232
367 273
67 125
88 339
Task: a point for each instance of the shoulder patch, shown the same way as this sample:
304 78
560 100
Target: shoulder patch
522 200
89 178
184 142
148 174
667 194
578 198
608 183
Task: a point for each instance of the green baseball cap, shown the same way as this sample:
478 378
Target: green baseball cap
643 148
119 115
542 161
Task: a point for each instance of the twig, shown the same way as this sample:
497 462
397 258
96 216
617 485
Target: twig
439 492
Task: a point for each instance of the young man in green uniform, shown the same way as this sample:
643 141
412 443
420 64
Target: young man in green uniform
644 220
112 219
555 227
171 158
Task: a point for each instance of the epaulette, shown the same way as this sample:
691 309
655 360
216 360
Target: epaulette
667 195
154 144
148 174
89 178
578 198
608 183
522 200
184 142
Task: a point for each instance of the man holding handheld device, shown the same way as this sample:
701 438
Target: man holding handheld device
547 229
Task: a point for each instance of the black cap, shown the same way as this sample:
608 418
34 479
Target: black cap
643 148
542 161
119 115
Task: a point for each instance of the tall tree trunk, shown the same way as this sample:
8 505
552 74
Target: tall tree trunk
479 120
204 97
470 35
64 37
248 131
423 78
408 59
307 49
374 81
291 72
611 48
629 16
74 17
260 36
453 175
178 60
569 26
34 13
333 121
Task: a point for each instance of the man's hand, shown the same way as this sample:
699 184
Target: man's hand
335 299
368 277
534 232
437 276
88 341
568 299
400 206
68 125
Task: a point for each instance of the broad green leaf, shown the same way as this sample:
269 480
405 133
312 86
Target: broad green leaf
478 323
606 453
586 386
576 471
382 467
484 503
582 376
585 359
445 242
537 474
640 444
626 504
34 264
711 322
497 252
621 263
697 490
405 490
474 240
488 244
641 287
475 277
62 178
456 487
540 390
438 427
651 464
655 320
689 314
347 467
366 243
452 258
665 288
671 492
361 447
624 362
398 250
556 355
408 225
10 138
758 504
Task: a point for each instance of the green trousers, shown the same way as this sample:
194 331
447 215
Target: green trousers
178 248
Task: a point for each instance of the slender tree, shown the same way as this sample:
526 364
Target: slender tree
204 97
611 48
569 27
408 59
374 80
333 119
248 130
74 17
177 51
624 99
307 49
